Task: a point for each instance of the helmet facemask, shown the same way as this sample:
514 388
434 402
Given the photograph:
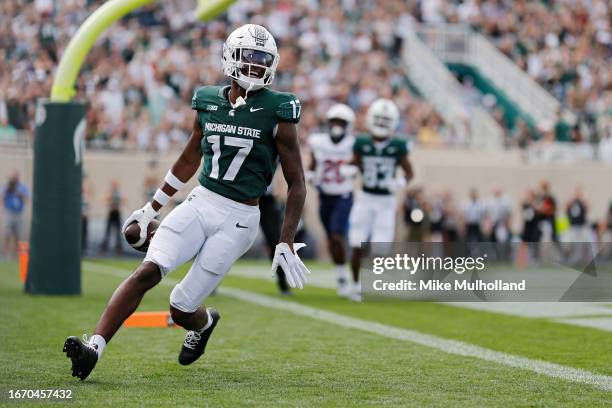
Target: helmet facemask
382 126
251 67
338 128
340 118
382 118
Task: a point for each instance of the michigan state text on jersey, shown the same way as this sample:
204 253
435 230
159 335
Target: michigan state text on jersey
238 145
240 131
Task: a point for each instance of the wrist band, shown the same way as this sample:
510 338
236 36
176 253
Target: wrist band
173 182
161 197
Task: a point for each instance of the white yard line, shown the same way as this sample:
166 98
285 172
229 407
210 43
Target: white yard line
572 313
448 346
600 323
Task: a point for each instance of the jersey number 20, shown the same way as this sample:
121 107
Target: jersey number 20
244 145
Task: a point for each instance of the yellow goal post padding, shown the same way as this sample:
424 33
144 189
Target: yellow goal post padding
88 33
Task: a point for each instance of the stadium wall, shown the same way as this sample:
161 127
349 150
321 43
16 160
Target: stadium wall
436 170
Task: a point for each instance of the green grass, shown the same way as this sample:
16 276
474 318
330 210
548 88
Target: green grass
265 357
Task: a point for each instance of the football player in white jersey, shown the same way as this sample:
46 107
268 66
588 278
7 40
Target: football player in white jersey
330 151
377 155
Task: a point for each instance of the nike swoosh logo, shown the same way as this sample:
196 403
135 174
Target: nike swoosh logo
254 109
240 226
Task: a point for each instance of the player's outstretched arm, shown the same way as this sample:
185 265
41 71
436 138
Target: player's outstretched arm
407 167
183 169
285 254
291 163
187 163
311 172
352 167
398 183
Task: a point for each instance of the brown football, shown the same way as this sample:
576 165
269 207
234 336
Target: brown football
132 234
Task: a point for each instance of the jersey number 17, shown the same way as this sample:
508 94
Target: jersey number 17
244 148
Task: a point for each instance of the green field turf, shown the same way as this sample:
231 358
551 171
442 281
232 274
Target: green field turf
269 357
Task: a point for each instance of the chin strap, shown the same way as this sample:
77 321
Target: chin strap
240 100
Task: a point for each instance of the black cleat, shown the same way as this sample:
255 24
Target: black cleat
84 357
195 342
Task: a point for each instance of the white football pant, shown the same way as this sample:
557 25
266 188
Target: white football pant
372 219
213 229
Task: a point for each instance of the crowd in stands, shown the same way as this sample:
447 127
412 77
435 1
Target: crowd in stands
139 77
565 45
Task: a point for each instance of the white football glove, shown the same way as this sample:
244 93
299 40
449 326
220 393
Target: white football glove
312 177
348 170
396 184
291 264
143 216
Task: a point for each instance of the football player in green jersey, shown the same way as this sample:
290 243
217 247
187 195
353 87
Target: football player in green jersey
377 156
240 131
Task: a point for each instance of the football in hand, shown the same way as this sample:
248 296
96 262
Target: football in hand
132 235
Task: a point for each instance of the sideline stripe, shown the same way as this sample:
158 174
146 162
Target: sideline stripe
456 347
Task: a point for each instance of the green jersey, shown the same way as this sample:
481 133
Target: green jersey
379 162
238 144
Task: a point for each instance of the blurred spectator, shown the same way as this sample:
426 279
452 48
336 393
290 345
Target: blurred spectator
416 216
562 129
579 230
451 218
499 210
14 196
547 211
605 234
436 219
577 210
529 211
115 201
520 136
474 212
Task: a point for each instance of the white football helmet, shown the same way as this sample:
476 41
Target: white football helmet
250 57
342 112
382 118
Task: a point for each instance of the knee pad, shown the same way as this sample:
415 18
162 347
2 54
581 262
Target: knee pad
180 300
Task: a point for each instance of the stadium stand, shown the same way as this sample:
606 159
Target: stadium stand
563 45
140 77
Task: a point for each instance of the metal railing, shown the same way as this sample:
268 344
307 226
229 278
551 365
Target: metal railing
459 44
440 87
15 141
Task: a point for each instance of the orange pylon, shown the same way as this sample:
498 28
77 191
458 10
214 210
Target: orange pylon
24 257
